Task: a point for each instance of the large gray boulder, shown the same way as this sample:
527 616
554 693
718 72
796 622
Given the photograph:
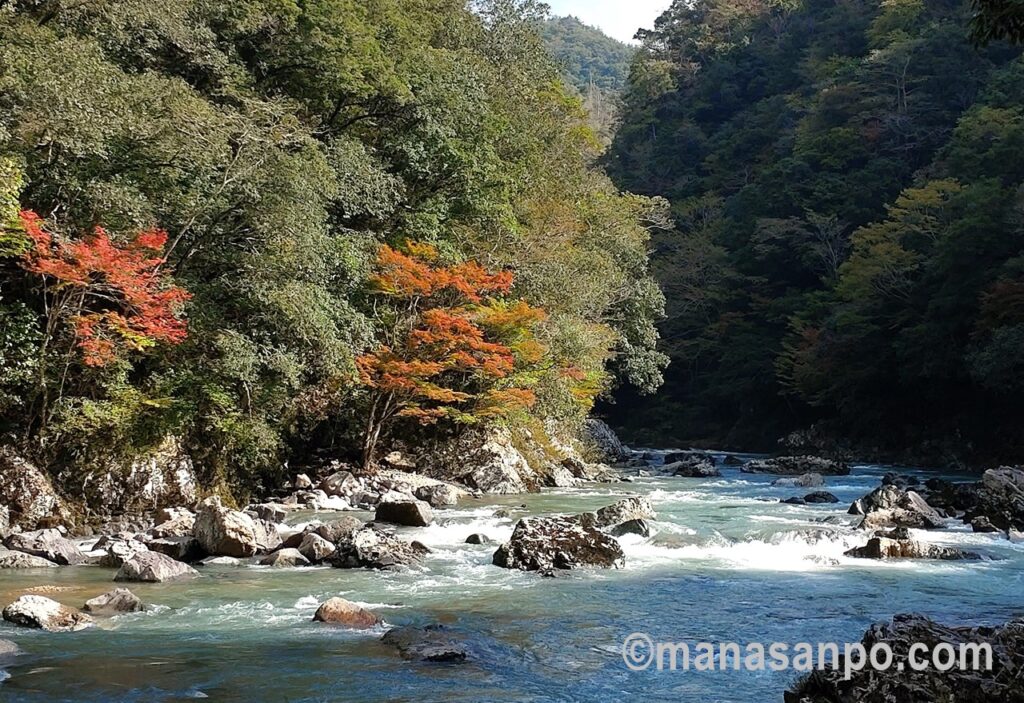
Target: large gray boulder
119 551
438 495
153 567
372 549
338 611
20 560
796 466
340 484
315 548
173 522
604 441
412 513
692 467
1000 498
44 613
892 506
549 543
634 508
48 544
231 533
335 530
115 602
186 548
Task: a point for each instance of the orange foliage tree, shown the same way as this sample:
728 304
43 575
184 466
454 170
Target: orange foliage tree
111 297
456 346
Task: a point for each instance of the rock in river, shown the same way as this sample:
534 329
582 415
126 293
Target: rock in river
635 508
115 602
413 513
20 560
154 567
48 544
548 543
372 549
901 684
338 611
796 466
885 548
434 643
285 558
231 533
43 613
801 481
692 467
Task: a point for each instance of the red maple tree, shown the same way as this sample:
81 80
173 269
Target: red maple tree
112 296
455 348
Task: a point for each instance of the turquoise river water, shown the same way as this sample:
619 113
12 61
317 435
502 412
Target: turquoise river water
728 562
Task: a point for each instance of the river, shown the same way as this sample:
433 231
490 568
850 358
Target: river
728 562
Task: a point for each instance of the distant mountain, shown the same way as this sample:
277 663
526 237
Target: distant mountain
588 56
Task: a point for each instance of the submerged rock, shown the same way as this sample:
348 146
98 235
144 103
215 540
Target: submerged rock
413 513
153 567
632 527
44 613
115 602
338 611
370 548
885 548
796 466
548 543
478 538
434 643
802 481
901 684
48 544
820 497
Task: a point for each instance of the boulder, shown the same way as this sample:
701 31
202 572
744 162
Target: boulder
336 530
631 527
397 460
231 533
1000 498
557 476
796 466
153 567
27 492
899 518
220 561
5 521
884 548
285 558
315 548
340 484
303 482
731 460
549 543
177 525
635 508
48 544
271 512
802 481
21 560
412 513
604 441
43 613
434 643
692 467
900 683
115 602
477 538
119 551
890 505
338 611
795 500
370 548
185 548
820 497
983 524
438 495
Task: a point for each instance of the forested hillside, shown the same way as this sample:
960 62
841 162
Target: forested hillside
587 55
266 228
846 178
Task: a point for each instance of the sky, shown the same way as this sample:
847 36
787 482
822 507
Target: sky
617 18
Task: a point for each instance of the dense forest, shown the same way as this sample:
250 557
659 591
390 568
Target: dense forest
588 57
848 186
268 228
